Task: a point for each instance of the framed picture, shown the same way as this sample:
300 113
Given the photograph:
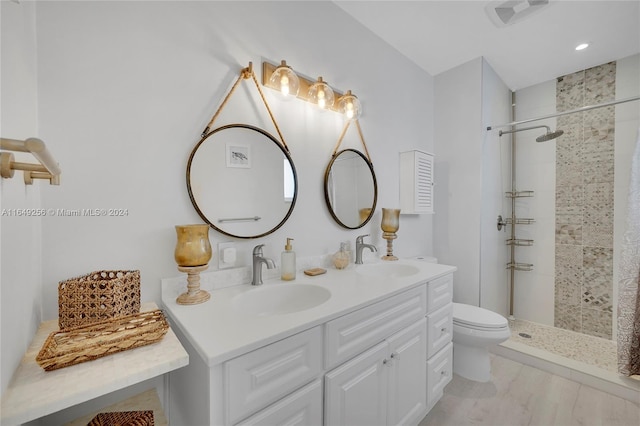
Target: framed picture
238 155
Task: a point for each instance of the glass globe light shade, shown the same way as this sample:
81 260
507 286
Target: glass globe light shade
321 94
350 106
285 80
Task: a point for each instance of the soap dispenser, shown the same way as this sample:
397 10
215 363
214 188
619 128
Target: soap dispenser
341 258
288 262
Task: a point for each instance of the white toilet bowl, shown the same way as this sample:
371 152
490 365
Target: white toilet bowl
475 330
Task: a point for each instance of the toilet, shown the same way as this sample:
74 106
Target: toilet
475 330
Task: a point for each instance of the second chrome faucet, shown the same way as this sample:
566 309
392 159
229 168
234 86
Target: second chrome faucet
360 245
258 260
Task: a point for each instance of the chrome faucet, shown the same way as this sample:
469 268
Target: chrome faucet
258 260
360 245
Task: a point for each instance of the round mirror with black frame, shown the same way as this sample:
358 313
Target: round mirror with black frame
350 189
242 181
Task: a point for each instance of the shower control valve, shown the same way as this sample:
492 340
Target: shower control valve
501 223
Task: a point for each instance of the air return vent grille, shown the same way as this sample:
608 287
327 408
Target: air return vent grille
503 13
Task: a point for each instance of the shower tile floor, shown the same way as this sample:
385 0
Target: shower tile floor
595 351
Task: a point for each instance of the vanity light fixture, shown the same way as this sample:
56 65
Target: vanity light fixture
349 106
285 81
321 94
313 92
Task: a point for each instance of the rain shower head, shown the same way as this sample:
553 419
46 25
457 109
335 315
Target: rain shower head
549 135
546 137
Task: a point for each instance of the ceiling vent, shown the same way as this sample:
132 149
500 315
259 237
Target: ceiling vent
503 13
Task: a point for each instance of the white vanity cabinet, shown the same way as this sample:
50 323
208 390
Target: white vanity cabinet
383 362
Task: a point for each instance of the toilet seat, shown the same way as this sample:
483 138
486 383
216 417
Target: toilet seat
478 318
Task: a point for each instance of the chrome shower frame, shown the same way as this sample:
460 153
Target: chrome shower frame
513 266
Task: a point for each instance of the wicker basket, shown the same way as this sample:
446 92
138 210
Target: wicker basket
81 344
123 418
97 297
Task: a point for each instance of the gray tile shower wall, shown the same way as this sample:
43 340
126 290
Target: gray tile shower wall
584 203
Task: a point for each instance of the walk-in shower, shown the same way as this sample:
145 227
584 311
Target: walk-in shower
512 220
567 306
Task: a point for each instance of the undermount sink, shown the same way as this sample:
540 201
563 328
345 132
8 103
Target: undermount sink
278 299
387 270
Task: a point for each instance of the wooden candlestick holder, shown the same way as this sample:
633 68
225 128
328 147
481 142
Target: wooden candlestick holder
390 225
194 294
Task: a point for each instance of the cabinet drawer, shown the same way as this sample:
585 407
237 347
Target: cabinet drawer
350 334
440 292
303 407
440 329
439 371
355 393
259 378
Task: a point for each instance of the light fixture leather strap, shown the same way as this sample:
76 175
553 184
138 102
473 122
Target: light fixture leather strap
245 74
344 132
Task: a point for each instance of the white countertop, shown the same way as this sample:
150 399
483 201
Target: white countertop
220 331
34 393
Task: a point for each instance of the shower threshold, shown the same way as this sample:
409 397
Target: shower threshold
585 359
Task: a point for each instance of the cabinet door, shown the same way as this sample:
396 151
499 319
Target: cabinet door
416 182
302 408
356 391
408 375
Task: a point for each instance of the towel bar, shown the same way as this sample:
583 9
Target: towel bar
47 169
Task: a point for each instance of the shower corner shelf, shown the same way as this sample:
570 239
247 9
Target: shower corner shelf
520 266
519 194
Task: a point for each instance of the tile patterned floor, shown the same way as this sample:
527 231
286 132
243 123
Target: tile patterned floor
580 347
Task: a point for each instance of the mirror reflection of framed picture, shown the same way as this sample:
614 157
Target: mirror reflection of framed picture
238 155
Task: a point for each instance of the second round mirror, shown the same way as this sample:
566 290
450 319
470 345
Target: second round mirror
350 189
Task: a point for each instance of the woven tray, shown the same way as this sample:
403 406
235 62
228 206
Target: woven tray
123 418
81 344
96 297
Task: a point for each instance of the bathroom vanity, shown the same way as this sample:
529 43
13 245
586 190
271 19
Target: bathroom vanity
370 344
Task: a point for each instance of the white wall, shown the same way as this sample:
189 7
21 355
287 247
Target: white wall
125 89
20 252
469 182
458 176
496 152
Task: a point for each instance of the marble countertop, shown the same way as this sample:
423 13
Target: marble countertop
220 330
34 393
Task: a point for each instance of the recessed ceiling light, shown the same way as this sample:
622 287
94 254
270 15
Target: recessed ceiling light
582 46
